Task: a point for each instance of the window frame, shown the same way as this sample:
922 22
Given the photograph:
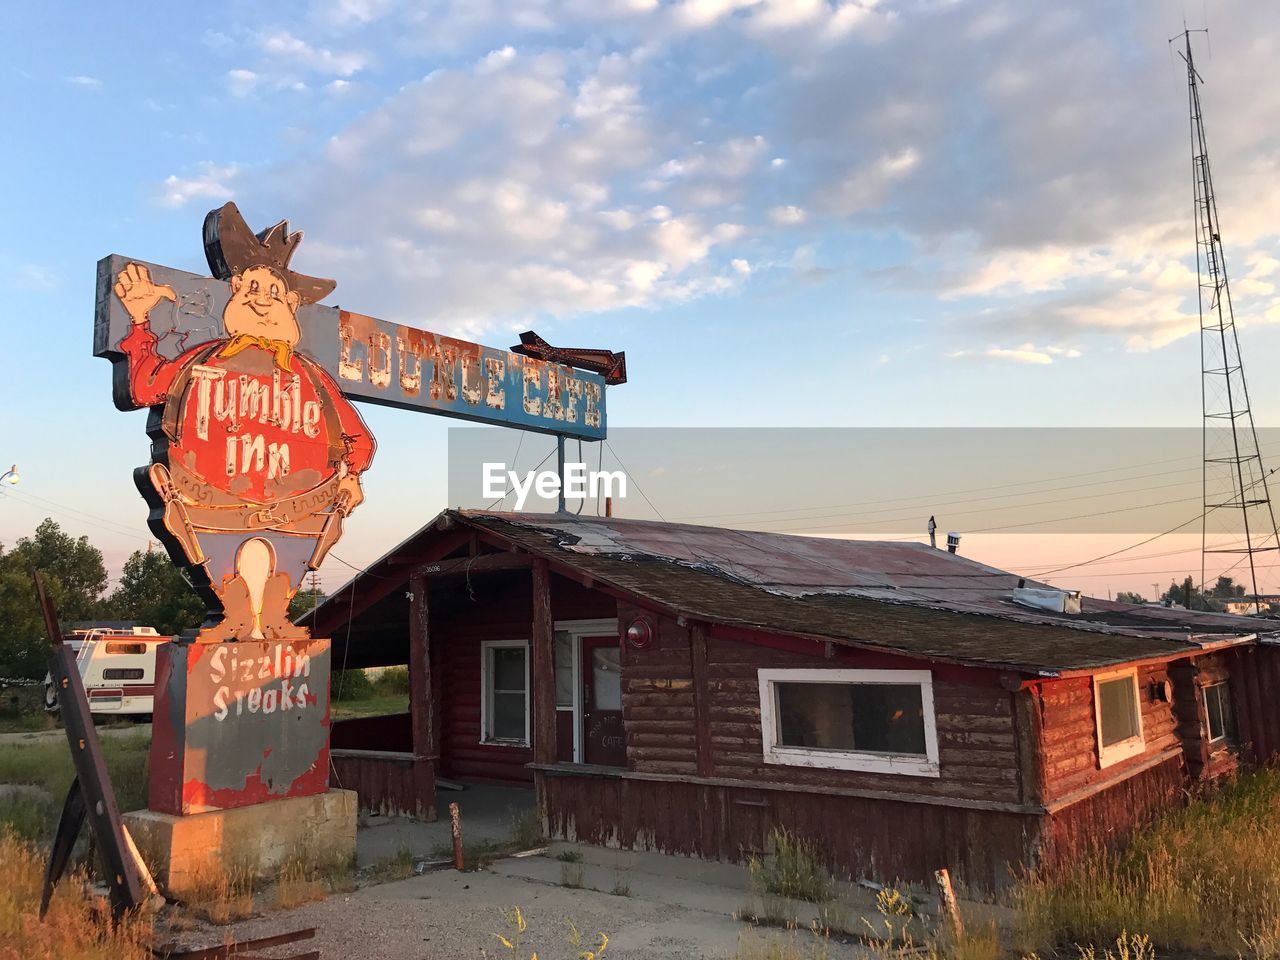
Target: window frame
1131 746
486 737
1224 739
856 760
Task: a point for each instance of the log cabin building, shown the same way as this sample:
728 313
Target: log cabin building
686 689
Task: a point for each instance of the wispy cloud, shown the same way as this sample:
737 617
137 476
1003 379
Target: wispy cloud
210 181
83 80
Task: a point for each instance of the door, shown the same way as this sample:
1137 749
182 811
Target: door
603 739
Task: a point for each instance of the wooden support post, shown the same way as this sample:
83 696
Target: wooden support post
948 906
543 667
1029 726
701 708
455 823
421 702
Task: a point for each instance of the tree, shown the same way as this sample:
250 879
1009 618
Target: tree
1227 589
75 576
154 593
1126 596
304 601
1188 595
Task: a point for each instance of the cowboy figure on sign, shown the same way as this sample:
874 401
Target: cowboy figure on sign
257 455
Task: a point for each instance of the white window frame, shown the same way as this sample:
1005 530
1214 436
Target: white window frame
903 764
1209 738
1124 749
577 629
485 738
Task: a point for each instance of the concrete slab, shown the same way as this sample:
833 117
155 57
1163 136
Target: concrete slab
190 853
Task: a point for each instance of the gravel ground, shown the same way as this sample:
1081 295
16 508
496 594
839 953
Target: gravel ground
448 914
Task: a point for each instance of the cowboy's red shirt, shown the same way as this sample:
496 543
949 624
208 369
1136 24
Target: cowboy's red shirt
245 424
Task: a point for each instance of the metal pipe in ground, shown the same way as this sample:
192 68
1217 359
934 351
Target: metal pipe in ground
949 906
455 822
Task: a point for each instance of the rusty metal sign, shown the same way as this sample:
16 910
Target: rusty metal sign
238 724
257 449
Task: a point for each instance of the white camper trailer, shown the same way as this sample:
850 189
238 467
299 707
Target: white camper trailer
118 668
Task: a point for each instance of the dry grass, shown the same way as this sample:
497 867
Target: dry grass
793 870
1204 879
398 866
72 931
791 945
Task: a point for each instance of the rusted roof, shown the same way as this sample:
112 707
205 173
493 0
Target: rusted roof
906 597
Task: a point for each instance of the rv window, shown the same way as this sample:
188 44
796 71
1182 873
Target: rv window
1119 716
505 680
121 647
1217 703
876 720
122 673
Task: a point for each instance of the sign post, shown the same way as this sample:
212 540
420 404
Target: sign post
257 459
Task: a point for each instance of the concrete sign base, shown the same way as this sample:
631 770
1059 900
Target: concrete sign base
194 854
237 724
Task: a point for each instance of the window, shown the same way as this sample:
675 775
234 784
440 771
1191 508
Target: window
880 721
1217 705
122 673
505 682
564 670
1119 716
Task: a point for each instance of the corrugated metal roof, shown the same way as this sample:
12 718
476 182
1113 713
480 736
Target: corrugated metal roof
878 593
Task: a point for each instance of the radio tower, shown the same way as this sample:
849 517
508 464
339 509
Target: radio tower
1237 516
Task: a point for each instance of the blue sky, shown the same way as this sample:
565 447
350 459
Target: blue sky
787 212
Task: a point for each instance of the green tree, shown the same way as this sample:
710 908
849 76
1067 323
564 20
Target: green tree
155 593
1127 596
75 576
1188 595
1227 589
304 601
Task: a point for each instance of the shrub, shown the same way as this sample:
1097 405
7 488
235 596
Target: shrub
351 685
392 682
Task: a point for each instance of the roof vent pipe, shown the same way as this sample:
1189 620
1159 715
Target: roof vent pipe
953 542
933 533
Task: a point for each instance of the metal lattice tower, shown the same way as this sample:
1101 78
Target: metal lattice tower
1238 516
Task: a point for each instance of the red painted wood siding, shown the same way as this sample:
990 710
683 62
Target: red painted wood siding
1070 747
502 610
977 751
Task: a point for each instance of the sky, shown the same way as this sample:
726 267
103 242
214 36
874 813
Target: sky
789 213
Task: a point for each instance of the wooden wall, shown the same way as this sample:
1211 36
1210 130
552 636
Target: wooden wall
976 737
502 610
859 836
393 786
1255 693
1070 738
1204 760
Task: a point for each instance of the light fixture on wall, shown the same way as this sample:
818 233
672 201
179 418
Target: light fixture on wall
640 633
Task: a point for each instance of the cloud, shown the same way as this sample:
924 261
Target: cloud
284 49
211 181
1024 171
787 216
241 82
82 80
1027 353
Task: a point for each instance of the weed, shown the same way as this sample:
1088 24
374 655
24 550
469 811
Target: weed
793 870
48 764
516 925
793 945
28 813
73 929
572 874
1203 879
526 829
398 866
224 893
620 886
569 856
475 855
